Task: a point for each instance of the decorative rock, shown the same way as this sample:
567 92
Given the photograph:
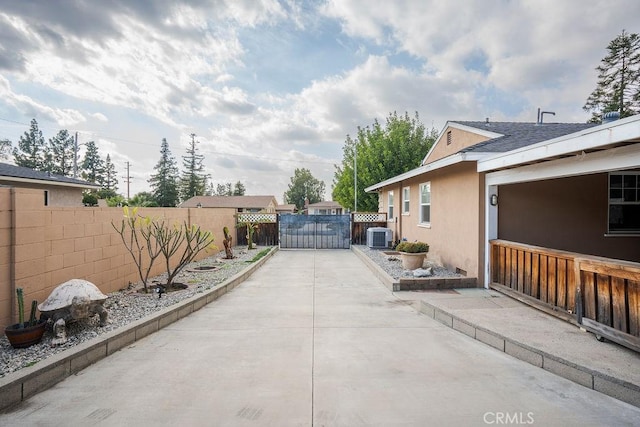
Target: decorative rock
73 300
423 272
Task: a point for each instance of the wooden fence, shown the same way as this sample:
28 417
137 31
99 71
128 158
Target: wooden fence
601 294
266 234
362 221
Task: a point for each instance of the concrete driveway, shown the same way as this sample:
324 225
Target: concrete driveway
314 339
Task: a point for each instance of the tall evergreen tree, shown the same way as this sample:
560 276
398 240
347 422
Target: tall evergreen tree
164 183
192 182
92 164
62 150
31 149
5 149
618 87
110 176
239 189
381 153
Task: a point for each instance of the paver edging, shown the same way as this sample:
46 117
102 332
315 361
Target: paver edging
595 380
18 386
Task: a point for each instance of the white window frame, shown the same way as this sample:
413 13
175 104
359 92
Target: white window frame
390 204
406 200
422 203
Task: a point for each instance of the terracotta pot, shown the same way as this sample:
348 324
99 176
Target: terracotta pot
25 337
412 261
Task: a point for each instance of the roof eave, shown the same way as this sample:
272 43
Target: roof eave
47 182
438 164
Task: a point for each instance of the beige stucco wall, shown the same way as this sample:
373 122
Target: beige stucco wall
456 231
54 244
459 139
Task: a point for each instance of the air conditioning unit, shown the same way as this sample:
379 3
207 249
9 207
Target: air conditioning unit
379 237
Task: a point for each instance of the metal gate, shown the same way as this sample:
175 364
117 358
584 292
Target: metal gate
315 231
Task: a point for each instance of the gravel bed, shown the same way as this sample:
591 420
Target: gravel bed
128 305
392 264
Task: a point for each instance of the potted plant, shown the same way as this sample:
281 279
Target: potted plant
24 334
412 254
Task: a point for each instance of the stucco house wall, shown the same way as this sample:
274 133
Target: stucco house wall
454 233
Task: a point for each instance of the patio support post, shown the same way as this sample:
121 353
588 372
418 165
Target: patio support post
491 229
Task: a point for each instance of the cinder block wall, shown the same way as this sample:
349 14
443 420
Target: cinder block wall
49 245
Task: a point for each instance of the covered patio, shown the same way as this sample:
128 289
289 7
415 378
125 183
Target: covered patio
563 227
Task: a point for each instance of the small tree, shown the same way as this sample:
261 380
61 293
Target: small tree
251 228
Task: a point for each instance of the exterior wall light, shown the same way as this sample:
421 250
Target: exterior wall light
493 200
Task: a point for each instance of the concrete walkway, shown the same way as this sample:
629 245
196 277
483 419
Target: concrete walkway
314 338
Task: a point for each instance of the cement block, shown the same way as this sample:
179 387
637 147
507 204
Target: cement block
490 339
522 353
146 329
444 318
617 390
464 327
427 309
87 357
199 303
120 341
569 372
185 311
167 319
45 379
10 395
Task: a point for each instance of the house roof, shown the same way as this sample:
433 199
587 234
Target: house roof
503 137
330 204
244 202
15 173
290 207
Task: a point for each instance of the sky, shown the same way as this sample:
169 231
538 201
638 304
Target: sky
269 86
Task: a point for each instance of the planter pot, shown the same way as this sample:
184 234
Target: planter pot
412 261
25 337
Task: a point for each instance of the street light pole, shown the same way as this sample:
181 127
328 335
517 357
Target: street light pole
355 178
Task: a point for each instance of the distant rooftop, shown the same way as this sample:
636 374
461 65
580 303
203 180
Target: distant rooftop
10 172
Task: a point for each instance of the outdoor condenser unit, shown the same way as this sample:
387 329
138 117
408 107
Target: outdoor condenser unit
378 237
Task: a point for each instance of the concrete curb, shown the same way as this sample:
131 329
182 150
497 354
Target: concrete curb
29 381
598 381
415 284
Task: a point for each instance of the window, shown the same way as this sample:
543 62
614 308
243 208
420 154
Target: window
46 197
624 202
405 201
390 206
425 203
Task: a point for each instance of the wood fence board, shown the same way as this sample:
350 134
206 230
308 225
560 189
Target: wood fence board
633 293
535 275
520 271
589 295
619 303
544 264
571 286
507 267
514 269
603 304
626 272
561 283
551 280
502 265
527 273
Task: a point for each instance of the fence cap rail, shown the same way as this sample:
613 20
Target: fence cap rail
259 217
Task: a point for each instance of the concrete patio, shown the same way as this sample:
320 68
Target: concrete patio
314 338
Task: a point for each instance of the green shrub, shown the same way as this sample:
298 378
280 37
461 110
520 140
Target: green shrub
412 247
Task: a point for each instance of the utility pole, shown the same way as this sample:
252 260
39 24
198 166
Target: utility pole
355 179
128 180
75 157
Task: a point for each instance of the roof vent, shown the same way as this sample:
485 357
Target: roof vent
541 116
611 116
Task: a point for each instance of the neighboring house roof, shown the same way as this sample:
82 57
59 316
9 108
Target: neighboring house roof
329 204
290 207
503 137
13 173
244 202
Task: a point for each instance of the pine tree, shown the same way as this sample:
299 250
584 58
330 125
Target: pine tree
31 150
192 182
62 150
110 181
5 149
92 164
618 86
239 189
164 183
